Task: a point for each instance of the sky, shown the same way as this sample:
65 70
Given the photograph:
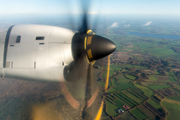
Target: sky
154 7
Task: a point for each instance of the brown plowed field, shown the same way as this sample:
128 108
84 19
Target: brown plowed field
154 109
126 116
163 78
147 111
121 56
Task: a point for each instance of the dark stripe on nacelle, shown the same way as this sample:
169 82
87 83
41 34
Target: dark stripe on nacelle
6 45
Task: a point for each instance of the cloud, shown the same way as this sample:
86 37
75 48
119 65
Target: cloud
148 23
115 24
127 25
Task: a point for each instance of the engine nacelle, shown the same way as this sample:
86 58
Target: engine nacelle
35 52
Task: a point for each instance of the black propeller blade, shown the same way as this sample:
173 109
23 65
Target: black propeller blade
85 7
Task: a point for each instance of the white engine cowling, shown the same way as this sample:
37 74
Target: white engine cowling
35 52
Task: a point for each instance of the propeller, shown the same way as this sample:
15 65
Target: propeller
87 48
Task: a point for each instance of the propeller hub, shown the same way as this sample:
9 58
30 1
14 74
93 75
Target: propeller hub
93 46
98 47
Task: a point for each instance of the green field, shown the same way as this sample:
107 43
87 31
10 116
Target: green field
111 109
173 114
113 81
122 79
104 116
122 86
158 86
152 78
140 67
164 51
171 73
115 68
171 105
132 96
102 84
127 65
171 78
154 104
111 90
104 74
138 93
130 77
157 73
124 70
144 45
118 103
122 100
175 98
109 83
139 114
146 90
126 99
126 116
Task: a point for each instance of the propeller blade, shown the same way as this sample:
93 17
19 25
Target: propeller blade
74 71
88 89
107 75
84 27
89 82
70 15
85 7
99 113
97 18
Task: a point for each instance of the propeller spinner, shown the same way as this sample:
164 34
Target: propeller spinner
94 46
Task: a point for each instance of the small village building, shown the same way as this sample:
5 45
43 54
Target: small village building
119 110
